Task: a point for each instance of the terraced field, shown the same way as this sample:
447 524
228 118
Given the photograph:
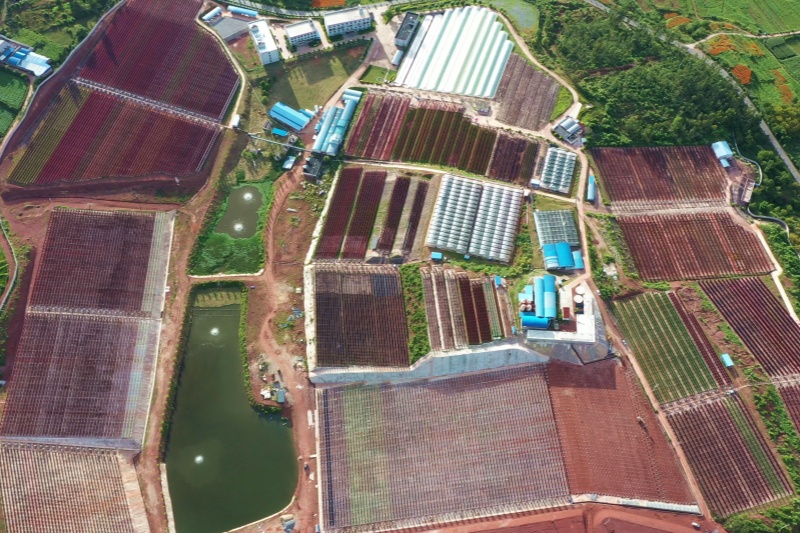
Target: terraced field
663 346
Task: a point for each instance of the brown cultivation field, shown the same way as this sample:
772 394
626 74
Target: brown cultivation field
791 397
661 175
414 453
69 490
733 465
693 246
526 95
606 450
760 320
360 316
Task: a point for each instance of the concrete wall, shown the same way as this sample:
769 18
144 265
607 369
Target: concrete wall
486 357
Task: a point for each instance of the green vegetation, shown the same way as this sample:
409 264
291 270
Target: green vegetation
53 27
520 265
646 92
13 90
669 357
217 252
563 102
763 16
418 344
375 75
788 259
523 15
615 240
315 78
606 285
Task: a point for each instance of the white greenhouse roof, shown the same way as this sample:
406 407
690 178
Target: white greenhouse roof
265 42
475 217
462 51
345 15
300 28
558 168
556 226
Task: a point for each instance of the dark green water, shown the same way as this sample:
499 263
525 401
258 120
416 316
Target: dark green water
241 216
227 465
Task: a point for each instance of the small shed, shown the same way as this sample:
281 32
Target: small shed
726 360
723 152
437 256
531 321
281 395
279 132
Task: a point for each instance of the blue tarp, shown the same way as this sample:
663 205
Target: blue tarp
550 256
564 255
498 281
577 258
290 117
531 321
436 256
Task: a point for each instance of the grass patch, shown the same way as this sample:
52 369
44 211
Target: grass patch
377 75
563 102
523 15
418 343
761 16
313 80
219 253
786 255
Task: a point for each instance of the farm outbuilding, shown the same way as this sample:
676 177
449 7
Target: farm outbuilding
723 152
568 129
230 28
559 165
544 288
591 189
286 115
243 12
461 51
407 29
475 218
334 124
211 15
529 320
556 226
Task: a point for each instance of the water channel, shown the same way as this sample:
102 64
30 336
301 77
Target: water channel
227 465
241 216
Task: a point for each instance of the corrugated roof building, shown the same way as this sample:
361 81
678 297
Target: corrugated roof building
288 116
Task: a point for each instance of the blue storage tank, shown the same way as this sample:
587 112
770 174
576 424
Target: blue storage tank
242 11
550 308
550 256
727 361
531 321
591 189
538 295
577 258
564 254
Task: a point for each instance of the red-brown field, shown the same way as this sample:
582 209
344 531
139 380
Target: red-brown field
411 454
361 316
668 175
693 246
101 261
791 397
69 490
607 450
761 320
733 465
526 95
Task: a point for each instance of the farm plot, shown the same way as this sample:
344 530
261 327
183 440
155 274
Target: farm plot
415 453
650 176
446 305
69 490
527 96
91 135
384 113
363 219
162 54
790 393
339 213
663 346
606 450
360 316
513 159
81 377
395 212
760 320
108 262
415 216
732 463
693 246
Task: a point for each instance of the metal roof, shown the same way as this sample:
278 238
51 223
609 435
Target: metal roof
304 27
290 117
265 42
346 15
228 27
462 51
722 149
556 226
410 22
559 166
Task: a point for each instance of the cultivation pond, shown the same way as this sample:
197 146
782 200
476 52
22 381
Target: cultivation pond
241 216
227 465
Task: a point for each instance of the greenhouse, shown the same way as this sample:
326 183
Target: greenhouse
461 51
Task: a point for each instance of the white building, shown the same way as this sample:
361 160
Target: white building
346 20
265 42
301 32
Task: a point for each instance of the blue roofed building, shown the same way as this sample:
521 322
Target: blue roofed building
723 152
288 116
